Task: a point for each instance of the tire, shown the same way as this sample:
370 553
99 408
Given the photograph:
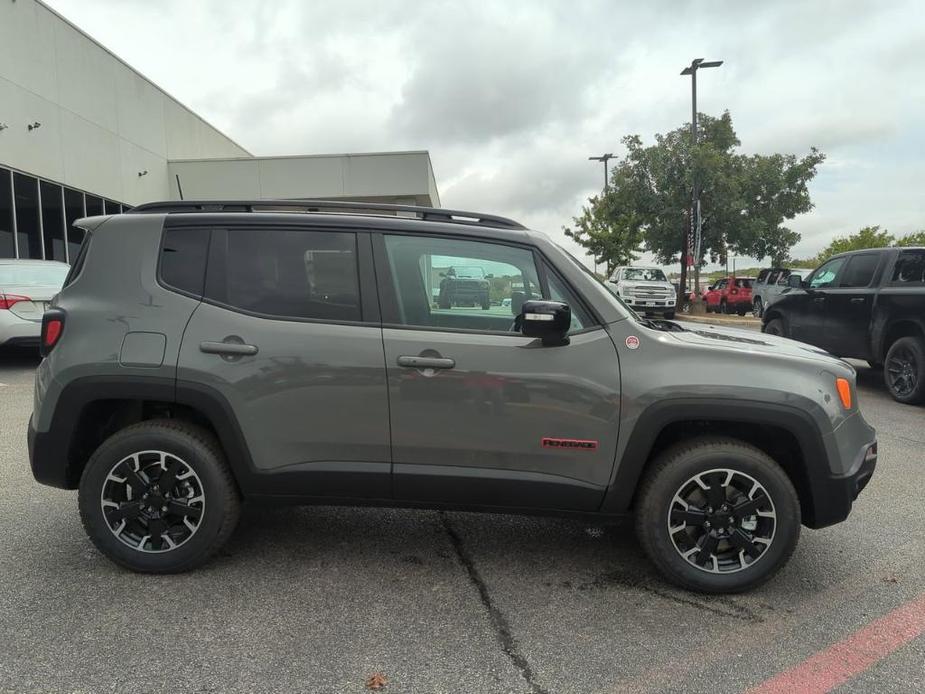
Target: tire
904 370
674 471
741 310
757 308
775 327
668 315
203 473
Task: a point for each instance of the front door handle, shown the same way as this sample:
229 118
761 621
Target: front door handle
228 349
858 300
426 362
819 300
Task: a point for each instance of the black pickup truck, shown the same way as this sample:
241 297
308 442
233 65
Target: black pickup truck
866 304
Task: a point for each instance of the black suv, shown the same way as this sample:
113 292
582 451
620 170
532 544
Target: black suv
867 305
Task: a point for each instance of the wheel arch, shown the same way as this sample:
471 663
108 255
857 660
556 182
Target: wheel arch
89 410
896 329
788 435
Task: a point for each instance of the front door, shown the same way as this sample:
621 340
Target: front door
850 306
480 414
809 318
283 336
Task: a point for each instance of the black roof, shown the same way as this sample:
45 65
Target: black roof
432 214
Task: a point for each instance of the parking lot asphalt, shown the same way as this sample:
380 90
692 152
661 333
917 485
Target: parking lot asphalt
318 599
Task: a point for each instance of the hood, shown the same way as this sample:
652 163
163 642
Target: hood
707 335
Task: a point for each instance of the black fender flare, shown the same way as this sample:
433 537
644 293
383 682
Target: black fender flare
812 477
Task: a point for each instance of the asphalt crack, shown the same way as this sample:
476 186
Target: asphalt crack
499 623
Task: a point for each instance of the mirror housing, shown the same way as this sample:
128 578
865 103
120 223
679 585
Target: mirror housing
795 281
548 320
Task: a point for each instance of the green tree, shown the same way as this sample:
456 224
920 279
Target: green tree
613 236
868 237
744 199
916 238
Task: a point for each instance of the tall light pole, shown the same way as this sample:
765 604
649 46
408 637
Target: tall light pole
691 244
604 158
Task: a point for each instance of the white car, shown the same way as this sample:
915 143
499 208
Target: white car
26 287
645 290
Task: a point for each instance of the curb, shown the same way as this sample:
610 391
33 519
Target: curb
744 322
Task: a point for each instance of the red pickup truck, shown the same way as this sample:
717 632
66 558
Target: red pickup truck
730 295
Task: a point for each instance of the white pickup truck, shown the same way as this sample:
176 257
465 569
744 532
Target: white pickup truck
644 289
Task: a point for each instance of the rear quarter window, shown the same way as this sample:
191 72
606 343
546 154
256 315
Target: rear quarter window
183 259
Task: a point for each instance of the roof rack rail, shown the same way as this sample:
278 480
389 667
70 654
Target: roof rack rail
433 214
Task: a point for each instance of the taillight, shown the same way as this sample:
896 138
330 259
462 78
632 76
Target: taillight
7 300
52 328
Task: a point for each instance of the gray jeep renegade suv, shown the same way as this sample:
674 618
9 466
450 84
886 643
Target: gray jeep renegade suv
204 353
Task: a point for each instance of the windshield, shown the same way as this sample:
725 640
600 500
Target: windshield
644 274
32 275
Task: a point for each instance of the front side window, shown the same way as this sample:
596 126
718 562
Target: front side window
470 285
860 270
301 274
827 275
909 268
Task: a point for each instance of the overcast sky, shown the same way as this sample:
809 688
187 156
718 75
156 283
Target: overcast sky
511 98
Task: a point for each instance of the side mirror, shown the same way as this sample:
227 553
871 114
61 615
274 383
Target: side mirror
795 281
547 320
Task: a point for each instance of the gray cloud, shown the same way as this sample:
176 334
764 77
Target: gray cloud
511 97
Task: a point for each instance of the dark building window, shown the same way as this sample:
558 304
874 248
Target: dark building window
73 210
111 207
53 221
27 216
94 205
7 244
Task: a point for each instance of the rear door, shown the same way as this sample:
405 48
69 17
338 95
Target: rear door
850 306
288 335
482 415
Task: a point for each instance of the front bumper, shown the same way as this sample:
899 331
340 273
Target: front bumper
663 305
834 496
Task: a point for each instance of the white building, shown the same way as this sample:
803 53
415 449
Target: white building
83 133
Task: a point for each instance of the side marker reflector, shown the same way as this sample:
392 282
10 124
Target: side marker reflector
844 392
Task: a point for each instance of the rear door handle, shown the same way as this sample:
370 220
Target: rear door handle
426 362
858 300
819 300
234 349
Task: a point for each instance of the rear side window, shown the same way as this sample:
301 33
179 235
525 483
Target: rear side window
860 270
744 283
297 274
909 269
183 259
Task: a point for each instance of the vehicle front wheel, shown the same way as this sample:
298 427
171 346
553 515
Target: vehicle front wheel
668 315
717 515
757 308
904 371
157 497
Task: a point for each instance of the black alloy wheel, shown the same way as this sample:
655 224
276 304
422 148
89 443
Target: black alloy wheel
904 370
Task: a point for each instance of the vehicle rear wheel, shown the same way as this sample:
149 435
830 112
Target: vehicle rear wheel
717 515
776 327
904 371
741 310
757 308
157 497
